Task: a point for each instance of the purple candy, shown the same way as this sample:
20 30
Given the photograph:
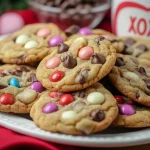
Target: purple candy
85 31
127 109
37 86
55 40
49 108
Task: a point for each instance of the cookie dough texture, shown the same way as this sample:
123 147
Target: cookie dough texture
91 70
24 96
134 46
83 122
138 120
13 53
131 79
98 32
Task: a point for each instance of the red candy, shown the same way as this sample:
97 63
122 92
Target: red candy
66 99
56 76
55 94
7 99
1 71
131 102
119 99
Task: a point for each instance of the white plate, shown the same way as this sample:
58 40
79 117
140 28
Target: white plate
112 137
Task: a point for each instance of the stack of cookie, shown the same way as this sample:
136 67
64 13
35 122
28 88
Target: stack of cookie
75 82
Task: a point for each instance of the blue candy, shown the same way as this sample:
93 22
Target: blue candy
14 82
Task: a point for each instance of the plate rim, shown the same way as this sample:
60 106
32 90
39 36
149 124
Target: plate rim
84 141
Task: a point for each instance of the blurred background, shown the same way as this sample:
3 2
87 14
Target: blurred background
14 14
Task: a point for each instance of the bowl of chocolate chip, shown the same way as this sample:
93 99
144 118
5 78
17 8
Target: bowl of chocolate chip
65 13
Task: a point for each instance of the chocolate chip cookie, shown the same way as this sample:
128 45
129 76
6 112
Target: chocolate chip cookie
131 45
131 114
131 79
76 64
75 31
19 88
81 112
30 44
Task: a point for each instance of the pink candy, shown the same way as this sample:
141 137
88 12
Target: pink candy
49 108
85 53
127 109
10 22
37 86
43 32
53 63
55 40
85 31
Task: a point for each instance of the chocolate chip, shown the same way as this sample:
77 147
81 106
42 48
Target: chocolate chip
22 69
142 47
62 47
2 86
119 62
129 42
3 74
137 95
98 115
147 92
21 60
142 71
81 79
72 30
32 78
16 73
147 82
99 39
69 62
113 40
79 94
98 59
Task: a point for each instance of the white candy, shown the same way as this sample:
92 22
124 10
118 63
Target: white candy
22 39
31 44
96 98
27 96
131 76
70 114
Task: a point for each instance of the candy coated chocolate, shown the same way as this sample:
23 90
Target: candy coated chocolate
96 98
85 31
31 44
14 82
53 63
7 99
56 76
49 108
70 114
66 99
37 86
43 32
10 22
127 109
55 94
55 40
22 39
119 99
85 53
